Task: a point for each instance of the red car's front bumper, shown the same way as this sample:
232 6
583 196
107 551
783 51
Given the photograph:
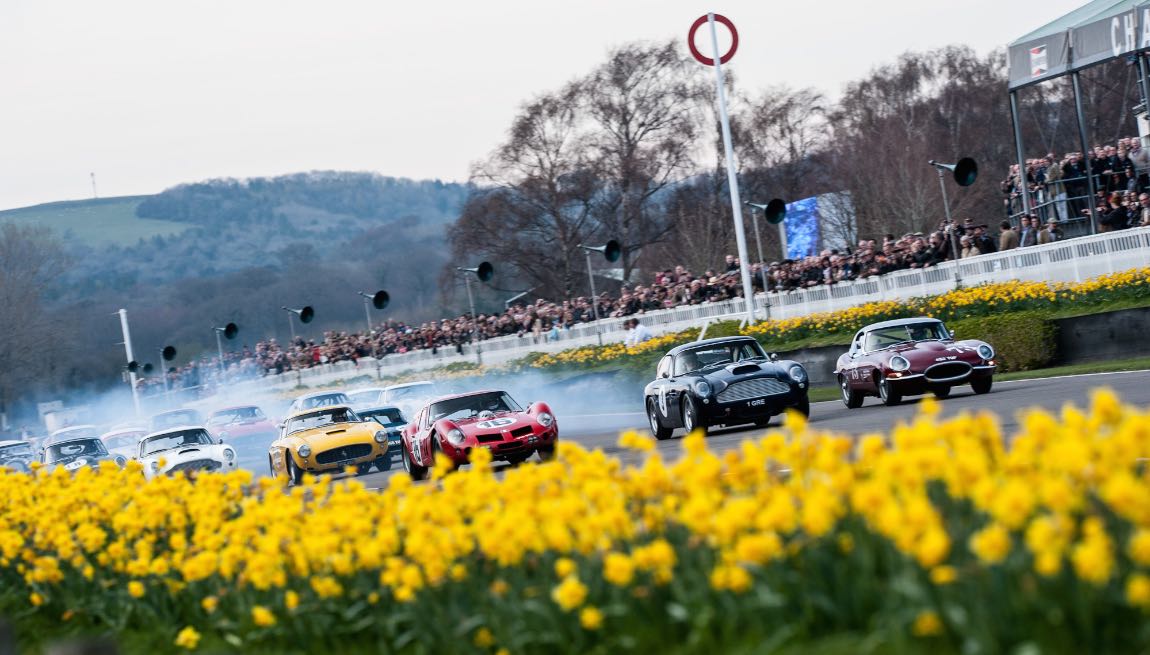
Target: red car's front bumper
517 443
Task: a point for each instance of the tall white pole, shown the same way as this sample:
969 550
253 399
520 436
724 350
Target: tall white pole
128 353
366 314
732 178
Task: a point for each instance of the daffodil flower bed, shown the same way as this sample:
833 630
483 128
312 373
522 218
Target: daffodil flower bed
984 300
935 537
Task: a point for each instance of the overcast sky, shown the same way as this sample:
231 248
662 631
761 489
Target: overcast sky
148 94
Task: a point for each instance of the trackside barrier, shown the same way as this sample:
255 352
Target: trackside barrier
1074 260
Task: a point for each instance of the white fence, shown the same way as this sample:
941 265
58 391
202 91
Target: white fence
1074 260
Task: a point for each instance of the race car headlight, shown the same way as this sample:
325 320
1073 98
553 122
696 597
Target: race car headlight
703 388
545 419
899 363
985 351
229 454
798 374
455 436
304 450
380 437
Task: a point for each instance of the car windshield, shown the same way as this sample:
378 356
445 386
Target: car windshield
172 419
170 440
476 405
386 417
123 439
326 400
717 353
74 449
364 397
409 392
892 336
236 415
320 418
15 450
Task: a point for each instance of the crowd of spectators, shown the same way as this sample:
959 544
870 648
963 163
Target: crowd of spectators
1058 188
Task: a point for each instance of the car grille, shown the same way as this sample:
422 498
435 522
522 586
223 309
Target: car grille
490 437
947 371
757 388
343 454
522 432
195 465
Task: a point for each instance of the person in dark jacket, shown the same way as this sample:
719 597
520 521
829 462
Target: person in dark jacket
1114 217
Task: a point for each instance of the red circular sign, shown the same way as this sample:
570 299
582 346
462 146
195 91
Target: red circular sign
707 60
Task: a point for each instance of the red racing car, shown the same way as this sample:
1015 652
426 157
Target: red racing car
456 425
910 357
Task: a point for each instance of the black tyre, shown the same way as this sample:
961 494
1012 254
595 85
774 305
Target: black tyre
416 472
804 407
942 393
887 393
271 469
436 449
657 428
517 460
982 385
363 469
852 398
546 453
383 463
295 473
691 419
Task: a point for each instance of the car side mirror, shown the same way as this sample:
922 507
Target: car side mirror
774 357
280 426
952 334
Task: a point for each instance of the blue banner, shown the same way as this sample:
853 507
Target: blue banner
802 226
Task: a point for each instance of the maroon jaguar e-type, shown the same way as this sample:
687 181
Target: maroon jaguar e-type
910 357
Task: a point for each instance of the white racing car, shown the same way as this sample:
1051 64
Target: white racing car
184 449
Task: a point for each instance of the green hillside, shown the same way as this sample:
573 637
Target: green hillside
96 222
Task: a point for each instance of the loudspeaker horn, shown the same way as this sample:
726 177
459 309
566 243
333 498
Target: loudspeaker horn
168 353
612 251
485 271
133 366
380 299
306 314
965 170
231 330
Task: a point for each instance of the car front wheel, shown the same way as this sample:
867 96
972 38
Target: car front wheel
888 395
852 398
691 419
941 392
657 428
982 385
295 473
416 472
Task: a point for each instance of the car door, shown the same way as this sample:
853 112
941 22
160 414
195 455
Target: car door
660 388
677 386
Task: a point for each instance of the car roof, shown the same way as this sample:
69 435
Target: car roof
707 342
466 394
409 384
72 439
113 433
312 410
377 408
178 428
899 322
365 390
13 442
234 407
85 426
319 394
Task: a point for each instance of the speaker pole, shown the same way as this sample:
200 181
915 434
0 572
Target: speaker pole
291 327
594 297
220 349
474 321
128 351
367 313
953 234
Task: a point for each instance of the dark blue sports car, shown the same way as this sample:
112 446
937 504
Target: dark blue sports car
724 381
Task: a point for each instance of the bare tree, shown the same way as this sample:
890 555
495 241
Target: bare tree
536 196
31 260
643 103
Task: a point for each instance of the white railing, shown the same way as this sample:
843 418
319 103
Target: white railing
1074 260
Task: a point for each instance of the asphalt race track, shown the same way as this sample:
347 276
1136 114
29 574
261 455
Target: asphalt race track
1005 400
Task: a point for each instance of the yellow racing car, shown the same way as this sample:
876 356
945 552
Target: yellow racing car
327 440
